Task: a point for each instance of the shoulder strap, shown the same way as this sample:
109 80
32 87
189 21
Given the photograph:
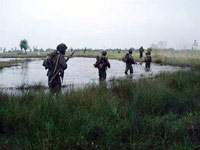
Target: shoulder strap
58 57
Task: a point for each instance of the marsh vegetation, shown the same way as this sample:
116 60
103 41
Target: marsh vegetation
146 114
158 113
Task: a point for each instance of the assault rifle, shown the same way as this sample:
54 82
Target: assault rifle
60 70
70 56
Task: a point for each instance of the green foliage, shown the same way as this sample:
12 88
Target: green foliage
24 45
147 114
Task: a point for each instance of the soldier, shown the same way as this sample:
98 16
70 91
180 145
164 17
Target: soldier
128 59
141 50
56 64
147 61
102 63
149 51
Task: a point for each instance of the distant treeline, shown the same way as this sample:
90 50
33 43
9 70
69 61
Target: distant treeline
79 49
118 50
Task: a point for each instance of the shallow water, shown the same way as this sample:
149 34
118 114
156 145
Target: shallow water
79 73
8 59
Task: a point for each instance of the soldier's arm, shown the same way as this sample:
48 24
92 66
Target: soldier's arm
66 60
108 64
96 64
134 62
62 62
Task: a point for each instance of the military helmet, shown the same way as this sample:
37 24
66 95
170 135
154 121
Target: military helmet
61 48
130 50
104 53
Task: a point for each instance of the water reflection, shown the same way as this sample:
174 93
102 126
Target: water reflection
79 73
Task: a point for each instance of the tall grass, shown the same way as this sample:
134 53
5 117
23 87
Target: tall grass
148 114
179 58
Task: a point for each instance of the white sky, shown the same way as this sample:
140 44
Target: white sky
99 23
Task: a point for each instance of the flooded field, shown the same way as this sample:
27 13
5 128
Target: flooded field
9 59
80 72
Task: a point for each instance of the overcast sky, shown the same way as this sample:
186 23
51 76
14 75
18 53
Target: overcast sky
99 23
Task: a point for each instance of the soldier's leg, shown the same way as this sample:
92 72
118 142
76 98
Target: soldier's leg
51 82
146 65
131 69
49 79
126 70
140 55
149 65
104 75
100 75
56 85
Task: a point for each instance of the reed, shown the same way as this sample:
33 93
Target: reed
160 113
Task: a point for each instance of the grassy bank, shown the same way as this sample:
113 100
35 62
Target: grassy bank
4 64
21 55
179 58
176 58
165 57
147 114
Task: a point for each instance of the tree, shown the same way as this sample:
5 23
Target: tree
24 45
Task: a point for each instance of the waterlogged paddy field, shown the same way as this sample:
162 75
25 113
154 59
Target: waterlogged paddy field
79 73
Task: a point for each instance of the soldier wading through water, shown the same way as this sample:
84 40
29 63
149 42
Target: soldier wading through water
102 63
147 61
128 59
56 64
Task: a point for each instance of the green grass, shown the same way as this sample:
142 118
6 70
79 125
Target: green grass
27 55
162 113
165 57
175 58
4 64
178 58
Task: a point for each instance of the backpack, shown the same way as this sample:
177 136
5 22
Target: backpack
102 62
127 58
50 60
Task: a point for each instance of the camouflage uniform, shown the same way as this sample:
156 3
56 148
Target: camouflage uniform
128 59
147 61
57 71
149 51
102 63
141 50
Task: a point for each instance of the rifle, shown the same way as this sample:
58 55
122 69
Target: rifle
61 70
70 56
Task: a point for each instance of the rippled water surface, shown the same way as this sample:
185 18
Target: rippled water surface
80 72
